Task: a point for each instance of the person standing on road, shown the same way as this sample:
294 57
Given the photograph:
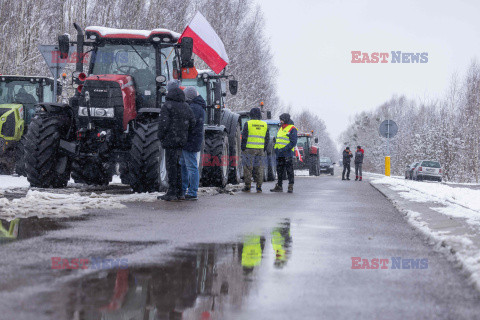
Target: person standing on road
189 160
285 143
358 163
175 121
255 139
347 156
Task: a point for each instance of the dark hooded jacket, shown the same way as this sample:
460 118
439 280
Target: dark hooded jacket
255 114
359 155
176 119
347 156
287 151
195 134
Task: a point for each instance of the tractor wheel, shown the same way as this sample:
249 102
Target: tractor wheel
123 171
92 171
272 167
45 166
146 166
235 163
314 169
20 157
215 170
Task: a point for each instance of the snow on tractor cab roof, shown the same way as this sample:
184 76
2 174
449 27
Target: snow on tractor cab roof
156 35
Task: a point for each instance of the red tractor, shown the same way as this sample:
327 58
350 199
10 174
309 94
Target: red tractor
307 156
112 118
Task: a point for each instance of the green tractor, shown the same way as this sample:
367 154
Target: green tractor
18 97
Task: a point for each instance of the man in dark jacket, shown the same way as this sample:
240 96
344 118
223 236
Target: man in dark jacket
358 163
189 160
176 119
347 156
255 139
285 143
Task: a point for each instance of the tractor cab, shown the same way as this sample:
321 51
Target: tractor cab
19 96
307 154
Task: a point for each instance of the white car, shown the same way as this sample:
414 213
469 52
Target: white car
428 170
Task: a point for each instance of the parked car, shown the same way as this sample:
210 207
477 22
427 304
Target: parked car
428 170
326 165
409 170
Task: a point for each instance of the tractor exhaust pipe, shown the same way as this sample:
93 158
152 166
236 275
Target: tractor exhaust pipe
80 40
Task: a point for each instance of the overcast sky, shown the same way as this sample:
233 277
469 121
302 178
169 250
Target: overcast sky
312 42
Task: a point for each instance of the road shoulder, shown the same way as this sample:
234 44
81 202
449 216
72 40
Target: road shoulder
445 224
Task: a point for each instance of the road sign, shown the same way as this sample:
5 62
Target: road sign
51 54
388 129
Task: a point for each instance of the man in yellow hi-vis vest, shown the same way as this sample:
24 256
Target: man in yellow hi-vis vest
255 139
285 143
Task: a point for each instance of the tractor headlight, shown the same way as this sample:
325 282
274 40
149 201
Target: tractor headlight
97 112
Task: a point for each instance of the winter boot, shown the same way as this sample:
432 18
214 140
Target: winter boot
356 179
277 189
246 188
290 188
360 179
259 189
343 178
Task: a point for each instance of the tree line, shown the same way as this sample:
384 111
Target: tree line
446 129
240 24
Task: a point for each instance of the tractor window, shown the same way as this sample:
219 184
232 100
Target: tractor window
302 142
22 92
48 93
273 130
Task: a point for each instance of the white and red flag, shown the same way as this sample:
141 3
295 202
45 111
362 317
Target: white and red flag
206 43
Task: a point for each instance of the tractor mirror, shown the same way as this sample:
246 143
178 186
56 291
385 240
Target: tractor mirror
233 86
316 140
63 46
269 114
186 48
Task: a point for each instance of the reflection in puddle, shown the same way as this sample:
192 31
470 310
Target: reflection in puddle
24 228
204 282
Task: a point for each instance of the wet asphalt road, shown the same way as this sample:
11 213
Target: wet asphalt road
242 256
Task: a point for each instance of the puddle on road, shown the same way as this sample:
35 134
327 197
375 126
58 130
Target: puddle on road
24 228
202 282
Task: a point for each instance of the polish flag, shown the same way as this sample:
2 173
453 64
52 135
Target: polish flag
206 43
298 154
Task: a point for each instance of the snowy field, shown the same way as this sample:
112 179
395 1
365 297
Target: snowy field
448 214
17 200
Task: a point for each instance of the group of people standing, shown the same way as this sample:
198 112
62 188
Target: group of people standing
347 156
181 122
255 139
181 135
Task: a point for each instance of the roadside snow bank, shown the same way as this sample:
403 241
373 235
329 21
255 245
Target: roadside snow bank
437 192
48 204
449 217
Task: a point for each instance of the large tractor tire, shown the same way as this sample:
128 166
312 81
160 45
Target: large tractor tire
20 158
92 171
216 159
314 166
235 161
272 167
45 165
146 166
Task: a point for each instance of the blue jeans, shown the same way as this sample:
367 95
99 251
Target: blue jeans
190 176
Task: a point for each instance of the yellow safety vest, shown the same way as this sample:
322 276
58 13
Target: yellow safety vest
257 130
283 137
252 252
